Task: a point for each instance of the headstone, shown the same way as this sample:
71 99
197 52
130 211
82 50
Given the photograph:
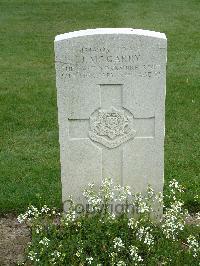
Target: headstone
111 108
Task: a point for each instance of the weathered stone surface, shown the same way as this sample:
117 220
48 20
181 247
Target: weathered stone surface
111 107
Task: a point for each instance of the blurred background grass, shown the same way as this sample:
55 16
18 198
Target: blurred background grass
29 149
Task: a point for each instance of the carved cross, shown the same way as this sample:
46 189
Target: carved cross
110 128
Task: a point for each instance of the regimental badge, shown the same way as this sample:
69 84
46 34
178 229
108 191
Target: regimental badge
111 127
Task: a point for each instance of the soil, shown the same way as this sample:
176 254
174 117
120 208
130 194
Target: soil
14 237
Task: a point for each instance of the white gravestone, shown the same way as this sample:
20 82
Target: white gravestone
111 108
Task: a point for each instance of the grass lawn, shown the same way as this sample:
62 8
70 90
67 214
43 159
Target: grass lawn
29 149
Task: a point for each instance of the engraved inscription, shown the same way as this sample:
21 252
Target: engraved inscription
95 71
110 58
110 127
94 62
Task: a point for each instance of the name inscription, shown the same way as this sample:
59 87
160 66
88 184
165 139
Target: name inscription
100 61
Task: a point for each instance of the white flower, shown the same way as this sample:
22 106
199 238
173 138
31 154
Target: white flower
56 254
174 220
32 255
143 207
79 252
21 218
150 193
107 182
69 217
106 190
89 260
112 254
141 204
175 187
118 244
123 193
121 263
134 254
45 209
91 185
159 197
112 216
37 230
93 199
149 239
144 234
132 223
193 245
44 241
30 214
56 257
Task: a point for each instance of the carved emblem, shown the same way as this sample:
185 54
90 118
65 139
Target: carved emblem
110 127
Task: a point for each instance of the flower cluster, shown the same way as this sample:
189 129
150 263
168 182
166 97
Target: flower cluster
79 252
31 213
56 257
145 234
118 244
89 260
175 189
106 190
122 193
34 213
194 246
121 263
133 223
33 256
44 241
68 217
94 200
134 255
174 220
142 205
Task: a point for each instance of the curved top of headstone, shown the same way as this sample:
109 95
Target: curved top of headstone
99 31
